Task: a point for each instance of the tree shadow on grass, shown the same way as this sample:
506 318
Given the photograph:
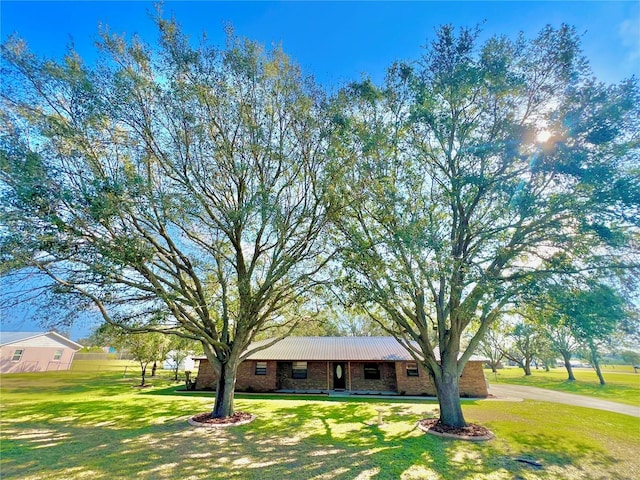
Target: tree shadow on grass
174 450
348 429
147 436
103 412
553 450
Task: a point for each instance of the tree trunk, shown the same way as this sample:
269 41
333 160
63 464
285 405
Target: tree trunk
144 373
223 406
526 366
448 390
153 369
567 365
596 365
599 373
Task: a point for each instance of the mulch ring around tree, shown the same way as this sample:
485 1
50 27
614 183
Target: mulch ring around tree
205 420
472 432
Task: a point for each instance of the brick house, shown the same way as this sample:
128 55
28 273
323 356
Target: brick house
350 364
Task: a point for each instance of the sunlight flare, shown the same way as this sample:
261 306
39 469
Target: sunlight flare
543 136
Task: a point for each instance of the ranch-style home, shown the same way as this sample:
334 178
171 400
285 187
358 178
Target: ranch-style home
355 365
35 352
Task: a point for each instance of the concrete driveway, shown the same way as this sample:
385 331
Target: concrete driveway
533 393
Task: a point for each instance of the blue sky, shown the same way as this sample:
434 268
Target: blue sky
335 41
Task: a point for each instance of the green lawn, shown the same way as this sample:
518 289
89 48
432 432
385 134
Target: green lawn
88 424
623 385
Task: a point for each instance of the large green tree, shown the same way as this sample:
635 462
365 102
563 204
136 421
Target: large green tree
585 314
594 313
471 171
176 189
545 310
524 343
562 341
491 347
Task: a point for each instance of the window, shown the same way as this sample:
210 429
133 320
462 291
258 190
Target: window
57 356
17 355
299 370
261 368
412 369
371 371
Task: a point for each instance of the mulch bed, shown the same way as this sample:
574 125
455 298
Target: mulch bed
470 432
206 420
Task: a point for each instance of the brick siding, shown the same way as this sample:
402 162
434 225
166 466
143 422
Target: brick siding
472 381
420 385
386 382
206 378
316 377
393 377
246 379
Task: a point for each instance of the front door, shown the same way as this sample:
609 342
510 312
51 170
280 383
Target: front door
339 375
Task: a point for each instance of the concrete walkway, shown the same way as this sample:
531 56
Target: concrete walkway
533 393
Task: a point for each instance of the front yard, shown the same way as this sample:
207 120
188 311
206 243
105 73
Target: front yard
95 425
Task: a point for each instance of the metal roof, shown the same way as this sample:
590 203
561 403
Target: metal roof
12 337
7 338
334 349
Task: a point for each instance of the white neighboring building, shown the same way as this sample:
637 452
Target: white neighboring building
188 364
35 352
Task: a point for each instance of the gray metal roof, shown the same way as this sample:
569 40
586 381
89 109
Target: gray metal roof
12 337
7 338
334 349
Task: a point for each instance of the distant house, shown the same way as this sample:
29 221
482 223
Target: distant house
187 363
35 352
349 364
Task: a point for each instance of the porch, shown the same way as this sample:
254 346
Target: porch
336 377
338 393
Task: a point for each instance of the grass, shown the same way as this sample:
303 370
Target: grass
623 385
94 424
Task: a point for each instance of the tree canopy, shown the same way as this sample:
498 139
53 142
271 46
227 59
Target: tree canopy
455 201
593 313
175 189
201 191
